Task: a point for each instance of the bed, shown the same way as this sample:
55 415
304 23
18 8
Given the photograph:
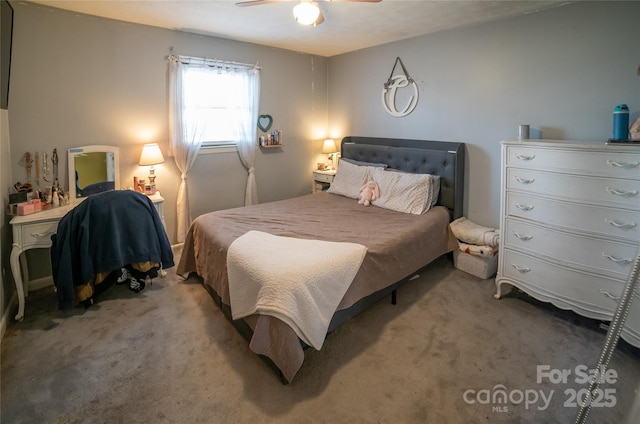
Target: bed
397 243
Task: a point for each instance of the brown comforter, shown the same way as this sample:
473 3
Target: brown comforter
397 244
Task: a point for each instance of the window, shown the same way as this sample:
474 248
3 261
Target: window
215 103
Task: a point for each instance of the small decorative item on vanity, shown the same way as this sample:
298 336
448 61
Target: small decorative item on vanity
27 162
54 162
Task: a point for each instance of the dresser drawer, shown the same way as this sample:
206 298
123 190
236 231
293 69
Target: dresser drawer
600 190
604 162
619 224
605 257
39 233
593 295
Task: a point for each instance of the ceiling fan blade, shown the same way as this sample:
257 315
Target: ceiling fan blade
257 2
319 20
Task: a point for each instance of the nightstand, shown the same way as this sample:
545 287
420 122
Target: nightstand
158 202
322 180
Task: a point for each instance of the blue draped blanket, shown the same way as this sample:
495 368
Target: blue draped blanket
103 233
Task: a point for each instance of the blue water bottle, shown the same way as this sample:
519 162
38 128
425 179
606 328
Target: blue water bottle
621 122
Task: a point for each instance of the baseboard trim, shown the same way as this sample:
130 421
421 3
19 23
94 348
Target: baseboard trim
8 312
40 283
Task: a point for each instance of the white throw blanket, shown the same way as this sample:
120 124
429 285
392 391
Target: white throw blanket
472 233
298 281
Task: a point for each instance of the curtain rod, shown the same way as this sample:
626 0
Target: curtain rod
212 62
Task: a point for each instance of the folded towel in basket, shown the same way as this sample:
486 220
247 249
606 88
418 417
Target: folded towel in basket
472 233
473 249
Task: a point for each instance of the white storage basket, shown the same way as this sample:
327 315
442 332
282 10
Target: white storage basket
479 266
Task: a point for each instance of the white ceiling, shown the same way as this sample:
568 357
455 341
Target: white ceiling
347 26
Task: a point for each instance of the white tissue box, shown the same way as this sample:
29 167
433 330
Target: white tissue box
480 266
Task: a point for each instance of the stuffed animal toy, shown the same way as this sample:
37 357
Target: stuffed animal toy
368 193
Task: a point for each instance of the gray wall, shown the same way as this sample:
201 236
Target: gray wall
561 70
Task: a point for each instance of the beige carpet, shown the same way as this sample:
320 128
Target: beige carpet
168 355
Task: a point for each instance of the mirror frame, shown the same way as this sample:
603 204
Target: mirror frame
96 148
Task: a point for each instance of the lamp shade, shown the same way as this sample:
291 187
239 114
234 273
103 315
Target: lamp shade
151 155
329 146
306 13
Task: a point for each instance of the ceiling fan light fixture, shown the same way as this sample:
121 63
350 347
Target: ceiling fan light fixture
306 12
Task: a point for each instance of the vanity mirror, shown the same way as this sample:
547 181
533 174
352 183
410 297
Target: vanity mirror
92 169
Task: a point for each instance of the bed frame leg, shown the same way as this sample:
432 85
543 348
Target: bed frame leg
393 297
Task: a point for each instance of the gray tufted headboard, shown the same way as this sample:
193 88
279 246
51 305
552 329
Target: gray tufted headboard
442 158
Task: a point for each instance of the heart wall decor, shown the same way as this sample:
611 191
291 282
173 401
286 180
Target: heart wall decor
265 122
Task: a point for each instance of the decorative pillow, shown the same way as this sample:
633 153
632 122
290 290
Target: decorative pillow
349 178
361 163
406 192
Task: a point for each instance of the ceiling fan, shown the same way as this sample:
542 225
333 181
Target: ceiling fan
307 12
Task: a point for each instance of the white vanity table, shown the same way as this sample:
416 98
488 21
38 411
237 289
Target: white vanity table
34 231
91 169
31 232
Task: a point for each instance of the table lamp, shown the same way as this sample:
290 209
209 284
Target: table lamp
329 146
150 156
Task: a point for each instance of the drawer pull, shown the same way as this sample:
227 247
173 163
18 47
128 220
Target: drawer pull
526 180
617 260
609 295
623 164
40 235
626 225
524 207
622 192
521 269
525 157
521 236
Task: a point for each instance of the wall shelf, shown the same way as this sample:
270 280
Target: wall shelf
271 140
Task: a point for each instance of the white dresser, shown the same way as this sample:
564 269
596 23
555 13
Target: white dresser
570 223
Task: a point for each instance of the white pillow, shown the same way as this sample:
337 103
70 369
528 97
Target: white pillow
362 163
406 192
349 178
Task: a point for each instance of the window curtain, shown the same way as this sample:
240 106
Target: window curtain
185 135
247 143
184 142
